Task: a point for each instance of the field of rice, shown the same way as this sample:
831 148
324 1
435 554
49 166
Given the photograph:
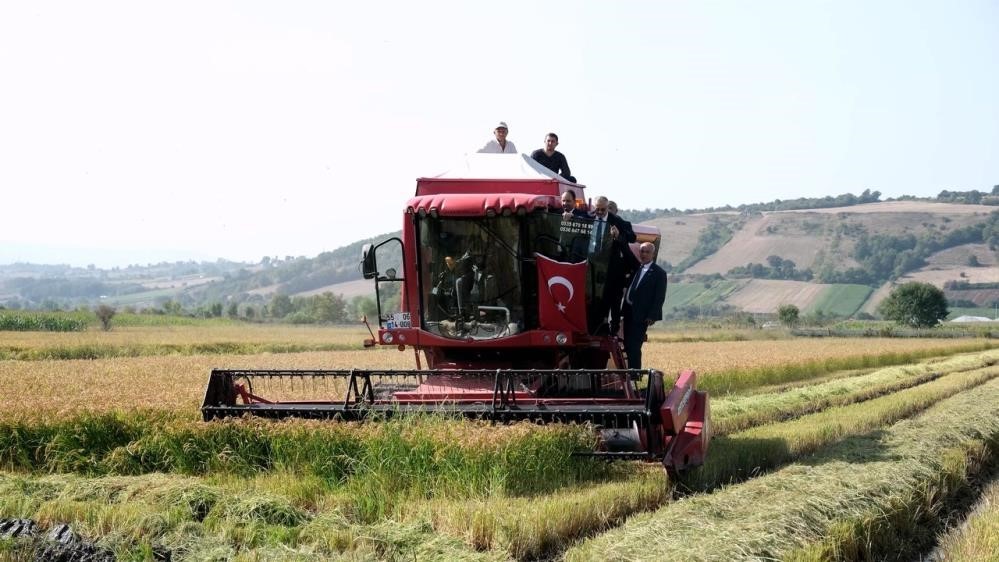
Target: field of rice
824 449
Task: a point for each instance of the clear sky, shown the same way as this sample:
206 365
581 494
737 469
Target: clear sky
135 132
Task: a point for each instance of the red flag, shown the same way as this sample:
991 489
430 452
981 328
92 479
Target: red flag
561 295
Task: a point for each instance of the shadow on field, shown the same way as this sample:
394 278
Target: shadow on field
736 459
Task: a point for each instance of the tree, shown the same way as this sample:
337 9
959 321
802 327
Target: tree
233 310
788 315
105 313
915 304
280 306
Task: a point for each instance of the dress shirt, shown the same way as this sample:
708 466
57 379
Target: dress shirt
638 279
493 147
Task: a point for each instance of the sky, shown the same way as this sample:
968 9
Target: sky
137 132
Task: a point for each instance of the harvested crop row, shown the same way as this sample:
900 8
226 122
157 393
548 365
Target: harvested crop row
838 355
740 455
861 477
535 527
181 518
735 413
978 538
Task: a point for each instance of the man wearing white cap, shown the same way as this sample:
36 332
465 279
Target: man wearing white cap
500 145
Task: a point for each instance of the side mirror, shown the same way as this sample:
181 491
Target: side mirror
369 269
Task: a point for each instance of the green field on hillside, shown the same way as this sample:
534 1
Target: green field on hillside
679 295
987 312
840 300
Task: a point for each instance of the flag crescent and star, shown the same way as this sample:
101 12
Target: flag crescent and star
559 280
555 312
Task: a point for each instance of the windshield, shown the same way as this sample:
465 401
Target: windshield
478 275
470 272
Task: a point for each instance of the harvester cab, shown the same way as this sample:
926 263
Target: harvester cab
496 291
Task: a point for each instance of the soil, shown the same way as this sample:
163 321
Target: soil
60 544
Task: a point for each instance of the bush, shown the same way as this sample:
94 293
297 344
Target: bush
105 313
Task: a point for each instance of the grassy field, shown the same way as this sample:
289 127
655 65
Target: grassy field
840 300
680 295
115 447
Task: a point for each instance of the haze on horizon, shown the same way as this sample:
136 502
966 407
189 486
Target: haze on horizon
137 133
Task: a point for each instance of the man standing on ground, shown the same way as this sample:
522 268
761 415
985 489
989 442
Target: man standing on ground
643 303
553 159
499 145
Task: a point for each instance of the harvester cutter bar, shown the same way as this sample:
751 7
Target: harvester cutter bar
536 394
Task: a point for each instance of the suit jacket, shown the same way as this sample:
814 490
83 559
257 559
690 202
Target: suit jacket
648 296
622 259
623 226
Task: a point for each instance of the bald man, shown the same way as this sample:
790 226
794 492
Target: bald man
643 303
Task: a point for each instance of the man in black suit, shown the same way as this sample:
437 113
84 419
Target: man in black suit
569 208
620 262
643 303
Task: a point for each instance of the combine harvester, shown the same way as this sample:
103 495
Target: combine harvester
492 287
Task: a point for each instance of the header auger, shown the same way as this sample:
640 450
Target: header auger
493 290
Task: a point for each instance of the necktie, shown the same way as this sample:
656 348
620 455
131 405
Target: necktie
634 282
598 234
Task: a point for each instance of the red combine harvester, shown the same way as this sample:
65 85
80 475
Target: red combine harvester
493 288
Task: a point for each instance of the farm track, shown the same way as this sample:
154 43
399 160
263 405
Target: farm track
292 515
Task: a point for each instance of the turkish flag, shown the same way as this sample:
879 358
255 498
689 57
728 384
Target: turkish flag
561 295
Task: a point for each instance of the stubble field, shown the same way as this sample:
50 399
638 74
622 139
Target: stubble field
825 449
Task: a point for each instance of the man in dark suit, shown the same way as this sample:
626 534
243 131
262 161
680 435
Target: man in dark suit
643 303
611 234
569 208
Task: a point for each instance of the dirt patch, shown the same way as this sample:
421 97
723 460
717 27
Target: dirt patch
871 306
959 256
679 235
765 295
60 544
940 276
347 289
791 237
981 297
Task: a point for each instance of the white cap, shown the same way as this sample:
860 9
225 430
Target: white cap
502 125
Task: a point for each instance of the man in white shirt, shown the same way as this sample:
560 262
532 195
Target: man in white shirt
499 145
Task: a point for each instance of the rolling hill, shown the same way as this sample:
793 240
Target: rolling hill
830 260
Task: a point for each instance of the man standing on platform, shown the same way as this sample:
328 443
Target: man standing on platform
553 159
620 262
499 145
643 303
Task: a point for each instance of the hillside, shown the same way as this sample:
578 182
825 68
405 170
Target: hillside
808 236
824 259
